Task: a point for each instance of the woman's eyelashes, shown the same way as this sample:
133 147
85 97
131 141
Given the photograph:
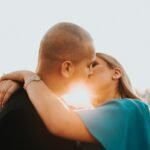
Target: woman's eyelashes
94 64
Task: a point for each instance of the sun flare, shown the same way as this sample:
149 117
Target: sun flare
79 96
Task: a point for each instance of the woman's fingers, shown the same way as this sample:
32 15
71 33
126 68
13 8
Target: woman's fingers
4 86
7 88
9 92
8 84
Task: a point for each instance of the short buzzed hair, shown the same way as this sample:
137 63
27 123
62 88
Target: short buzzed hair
64 41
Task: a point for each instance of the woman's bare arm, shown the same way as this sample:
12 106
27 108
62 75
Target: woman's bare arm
59 119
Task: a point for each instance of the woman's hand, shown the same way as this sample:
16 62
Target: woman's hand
7 88
8 84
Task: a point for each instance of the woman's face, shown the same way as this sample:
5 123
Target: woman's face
102 77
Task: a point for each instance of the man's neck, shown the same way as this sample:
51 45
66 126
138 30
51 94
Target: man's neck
52 83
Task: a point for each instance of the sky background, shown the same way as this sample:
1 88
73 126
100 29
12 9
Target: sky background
119 27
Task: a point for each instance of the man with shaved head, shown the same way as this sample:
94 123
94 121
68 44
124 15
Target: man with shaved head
65 57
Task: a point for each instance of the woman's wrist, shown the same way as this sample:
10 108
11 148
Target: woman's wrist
30 77
27 75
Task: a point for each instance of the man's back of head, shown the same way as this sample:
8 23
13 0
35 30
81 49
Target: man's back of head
64 41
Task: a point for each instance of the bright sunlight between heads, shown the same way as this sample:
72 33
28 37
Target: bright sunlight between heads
78 97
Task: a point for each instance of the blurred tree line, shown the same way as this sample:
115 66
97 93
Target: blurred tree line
145 95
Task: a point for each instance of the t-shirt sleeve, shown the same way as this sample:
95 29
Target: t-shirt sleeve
107 123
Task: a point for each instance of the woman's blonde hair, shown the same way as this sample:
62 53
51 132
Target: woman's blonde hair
125 87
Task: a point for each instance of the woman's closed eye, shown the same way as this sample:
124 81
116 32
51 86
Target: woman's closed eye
94 64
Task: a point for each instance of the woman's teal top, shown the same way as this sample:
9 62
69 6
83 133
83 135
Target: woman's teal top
121 124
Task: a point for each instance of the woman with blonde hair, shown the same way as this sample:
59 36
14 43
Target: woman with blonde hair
119 120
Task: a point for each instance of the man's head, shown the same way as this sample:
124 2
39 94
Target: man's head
66 52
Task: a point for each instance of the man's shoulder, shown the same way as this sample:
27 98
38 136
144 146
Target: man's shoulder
19 101
19 92
21 124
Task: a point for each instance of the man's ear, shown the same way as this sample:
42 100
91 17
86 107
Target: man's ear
117 73
67 69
